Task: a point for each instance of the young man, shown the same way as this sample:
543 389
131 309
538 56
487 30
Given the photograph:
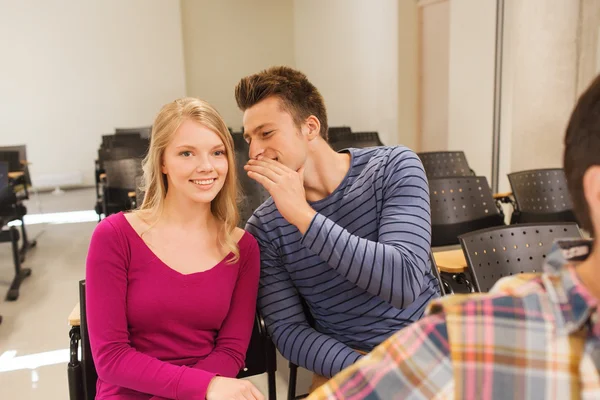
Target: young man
347 232
533 337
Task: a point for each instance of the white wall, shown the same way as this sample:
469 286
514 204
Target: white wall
471 81
73 70
349 50
408 74
434 84
544 42
226 40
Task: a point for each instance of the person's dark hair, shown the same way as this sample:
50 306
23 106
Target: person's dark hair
582 149
297 95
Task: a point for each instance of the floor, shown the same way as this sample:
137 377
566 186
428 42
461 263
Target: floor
34 331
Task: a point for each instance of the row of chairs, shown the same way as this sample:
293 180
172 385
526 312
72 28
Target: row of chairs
15 182
342 137
462 202
118 169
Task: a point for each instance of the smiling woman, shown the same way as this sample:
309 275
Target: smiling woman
180 257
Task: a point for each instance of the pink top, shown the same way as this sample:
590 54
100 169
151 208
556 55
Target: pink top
155 331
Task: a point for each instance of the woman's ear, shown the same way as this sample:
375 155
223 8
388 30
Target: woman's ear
163 167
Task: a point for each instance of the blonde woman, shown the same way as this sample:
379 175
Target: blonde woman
171 287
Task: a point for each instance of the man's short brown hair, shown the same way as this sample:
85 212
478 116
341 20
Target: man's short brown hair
582 150
298 96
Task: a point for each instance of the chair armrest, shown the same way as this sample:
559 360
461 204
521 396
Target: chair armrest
75 316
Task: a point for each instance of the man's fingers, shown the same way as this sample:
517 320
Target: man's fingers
263 180
264 171
271 164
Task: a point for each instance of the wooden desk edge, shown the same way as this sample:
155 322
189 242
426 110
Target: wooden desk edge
16 174
450 269
502 195
75 317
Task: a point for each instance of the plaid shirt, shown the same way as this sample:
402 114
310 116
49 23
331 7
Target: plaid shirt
534 336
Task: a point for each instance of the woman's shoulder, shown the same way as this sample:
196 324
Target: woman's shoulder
119 227
110 225
246 242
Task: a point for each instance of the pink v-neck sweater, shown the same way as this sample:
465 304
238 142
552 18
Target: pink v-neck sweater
157 332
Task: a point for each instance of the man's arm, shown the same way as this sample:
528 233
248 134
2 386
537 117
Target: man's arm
284 316
414 363
392 267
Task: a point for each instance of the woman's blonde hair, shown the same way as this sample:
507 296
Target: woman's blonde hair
168 120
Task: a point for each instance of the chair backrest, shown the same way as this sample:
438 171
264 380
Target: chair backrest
541 196
443 164
90 376
497 252
139 194
12 158
253 194
122 139
261 351
367 139
335 132
3 174
359 140
8 196
119 153
460 205
143 131
121 174
436 273
22 149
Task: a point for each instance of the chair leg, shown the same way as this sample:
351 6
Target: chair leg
26 245
271 370
292 381
74 368
20 273
272 385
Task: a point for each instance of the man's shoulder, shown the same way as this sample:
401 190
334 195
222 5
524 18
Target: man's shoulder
389 161
385 154
265 219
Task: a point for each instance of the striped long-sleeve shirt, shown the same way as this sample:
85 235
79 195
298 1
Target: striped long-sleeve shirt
362 266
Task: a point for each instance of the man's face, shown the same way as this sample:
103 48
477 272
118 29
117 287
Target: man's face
272 133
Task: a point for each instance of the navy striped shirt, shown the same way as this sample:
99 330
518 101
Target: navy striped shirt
362 266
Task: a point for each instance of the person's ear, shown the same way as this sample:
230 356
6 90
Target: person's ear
591 191
312 127
163 167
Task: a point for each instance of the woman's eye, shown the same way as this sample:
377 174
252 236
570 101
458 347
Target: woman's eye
185 153
219 152
265 134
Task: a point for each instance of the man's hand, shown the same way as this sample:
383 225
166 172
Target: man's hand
286 186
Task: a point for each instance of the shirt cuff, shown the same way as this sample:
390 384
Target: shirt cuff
193 384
